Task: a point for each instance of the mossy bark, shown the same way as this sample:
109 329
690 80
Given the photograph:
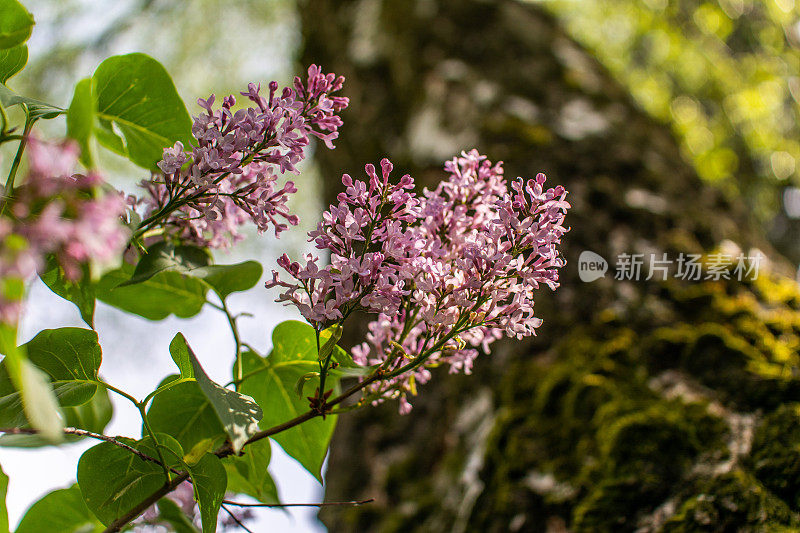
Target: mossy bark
641 405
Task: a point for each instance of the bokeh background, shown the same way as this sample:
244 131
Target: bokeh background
641 405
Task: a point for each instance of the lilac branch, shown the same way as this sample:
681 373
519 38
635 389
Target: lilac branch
321 504
83 433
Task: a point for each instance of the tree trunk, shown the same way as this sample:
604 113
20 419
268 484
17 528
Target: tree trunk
641 405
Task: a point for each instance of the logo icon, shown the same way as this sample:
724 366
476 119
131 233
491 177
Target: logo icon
591 266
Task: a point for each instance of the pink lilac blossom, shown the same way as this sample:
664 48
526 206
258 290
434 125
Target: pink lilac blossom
231 175
368 244
446 273
57 212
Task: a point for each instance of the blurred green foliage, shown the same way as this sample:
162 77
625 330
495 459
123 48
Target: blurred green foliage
725 74
205 45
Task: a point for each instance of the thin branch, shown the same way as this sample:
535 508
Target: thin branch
122 521
227 450
322 504
236 519
236 339
84 433
8 190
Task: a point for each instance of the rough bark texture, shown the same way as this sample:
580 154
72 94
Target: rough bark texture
650 406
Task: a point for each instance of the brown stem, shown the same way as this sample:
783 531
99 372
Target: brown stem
84 433
236 519
123 520
322 504
226 449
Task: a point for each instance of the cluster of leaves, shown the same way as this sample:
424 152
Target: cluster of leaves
51 388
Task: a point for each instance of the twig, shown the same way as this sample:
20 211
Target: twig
322 504
236 519
122 521
227 450
84 433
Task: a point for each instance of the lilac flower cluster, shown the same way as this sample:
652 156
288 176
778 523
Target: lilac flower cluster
368 244
56 212
446 272
230 177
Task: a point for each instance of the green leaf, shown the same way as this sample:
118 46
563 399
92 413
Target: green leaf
210 481
80 293
16 23
60 365
3 508
71 357
184 412
271 381
226 279
346 365
164 294
80 120
168 511
12 60
334 333
135 95
36 108
179 350
208 477
35 395
39 402
113 480
167 257
239 414
248 474
93 416
63 511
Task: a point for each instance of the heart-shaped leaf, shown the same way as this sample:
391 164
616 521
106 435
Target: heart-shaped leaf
71 357
271 382
135 96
